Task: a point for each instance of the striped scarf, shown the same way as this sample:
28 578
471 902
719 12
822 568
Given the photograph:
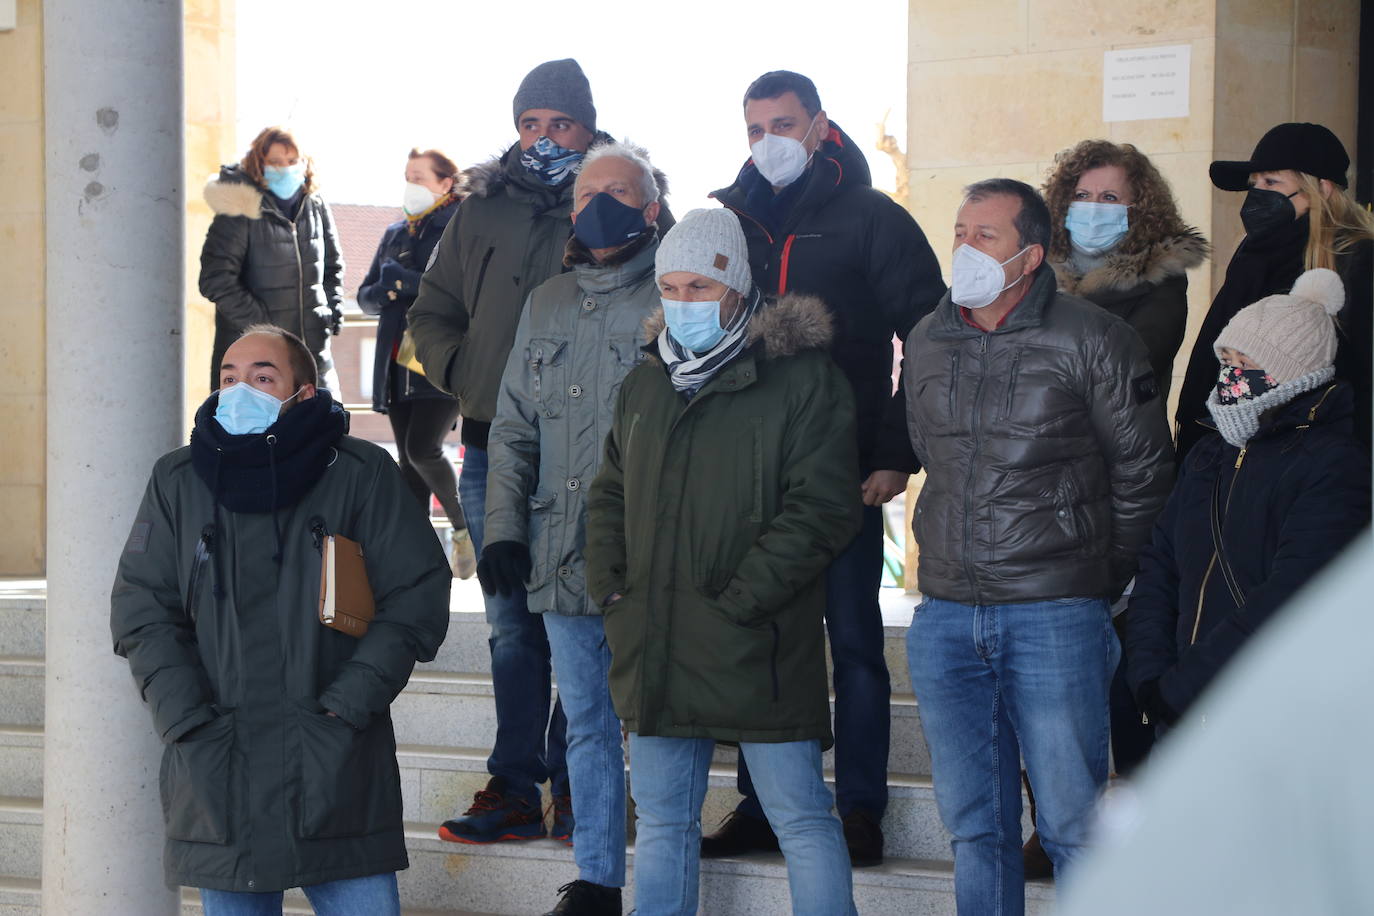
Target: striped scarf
689 370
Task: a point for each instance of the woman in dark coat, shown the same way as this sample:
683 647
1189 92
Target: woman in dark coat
272 255
1298 215
1262 503
420 414
1117 240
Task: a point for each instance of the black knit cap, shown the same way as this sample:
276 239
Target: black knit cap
1309 148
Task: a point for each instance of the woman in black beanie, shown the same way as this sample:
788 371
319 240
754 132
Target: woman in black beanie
1298 215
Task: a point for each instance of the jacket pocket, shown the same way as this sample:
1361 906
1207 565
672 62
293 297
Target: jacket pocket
1009 399
349 781
195 783
481 270
548 374
540 532
1065 506
625 355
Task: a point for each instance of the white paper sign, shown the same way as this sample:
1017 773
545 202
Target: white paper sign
1142 83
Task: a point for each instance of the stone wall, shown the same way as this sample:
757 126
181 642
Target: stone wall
23 400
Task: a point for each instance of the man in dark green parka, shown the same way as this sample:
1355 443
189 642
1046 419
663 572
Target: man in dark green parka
280 763
726 489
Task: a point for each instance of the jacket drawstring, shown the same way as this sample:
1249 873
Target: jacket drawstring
272 472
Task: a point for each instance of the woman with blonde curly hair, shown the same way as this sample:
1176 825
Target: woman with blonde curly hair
1118 241
1298 215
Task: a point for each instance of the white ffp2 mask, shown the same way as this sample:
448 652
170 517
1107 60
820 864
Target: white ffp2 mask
976 278
781 160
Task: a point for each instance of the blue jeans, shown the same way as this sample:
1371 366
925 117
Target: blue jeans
668 781
863 691
994 683
375 895
521 755
596 758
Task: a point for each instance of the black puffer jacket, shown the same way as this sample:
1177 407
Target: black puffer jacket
257 265
1046 450
1290 502
411 251
865 258
1146 289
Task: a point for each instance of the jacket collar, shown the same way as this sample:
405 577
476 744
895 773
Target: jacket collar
948 324
627 267
1121 272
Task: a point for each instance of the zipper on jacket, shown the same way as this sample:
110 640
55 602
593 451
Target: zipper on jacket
300 269
1225 510
1011 384
204 547
954 356
481 278
782 264
972 466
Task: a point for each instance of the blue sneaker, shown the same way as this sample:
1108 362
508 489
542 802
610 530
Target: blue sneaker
562 818
495 817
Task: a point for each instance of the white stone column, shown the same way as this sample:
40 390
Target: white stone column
115 234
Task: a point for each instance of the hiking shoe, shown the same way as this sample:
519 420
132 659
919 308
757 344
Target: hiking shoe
1035 860
494 817
583 898
461 558
864 837
738 834
563 820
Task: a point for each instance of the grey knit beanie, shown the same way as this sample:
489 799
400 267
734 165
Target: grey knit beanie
558 85
1290 336
710 243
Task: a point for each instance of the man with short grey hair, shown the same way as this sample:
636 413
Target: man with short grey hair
1047 454
578 337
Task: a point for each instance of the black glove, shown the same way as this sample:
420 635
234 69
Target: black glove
504 567
1153 704
398 279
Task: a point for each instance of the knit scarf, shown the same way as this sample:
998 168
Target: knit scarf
689 370
416 222
1239 422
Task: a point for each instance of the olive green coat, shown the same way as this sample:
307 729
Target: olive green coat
715 520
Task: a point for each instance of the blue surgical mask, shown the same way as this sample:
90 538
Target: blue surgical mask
244 410
607 223
551 163
695 325
284 181
1094 228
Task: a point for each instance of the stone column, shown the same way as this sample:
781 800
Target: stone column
115 218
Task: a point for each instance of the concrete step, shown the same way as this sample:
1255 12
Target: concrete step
21 837
21 761
460 708
21 896
21 690
23 618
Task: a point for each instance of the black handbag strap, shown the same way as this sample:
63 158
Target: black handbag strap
1219 544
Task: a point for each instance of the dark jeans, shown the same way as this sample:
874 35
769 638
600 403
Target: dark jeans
520 670
420 426
862 689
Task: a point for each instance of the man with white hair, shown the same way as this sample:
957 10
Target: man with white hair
578 338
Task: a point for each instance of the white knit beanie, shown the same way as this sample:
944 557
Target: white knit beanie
710 243
1290 336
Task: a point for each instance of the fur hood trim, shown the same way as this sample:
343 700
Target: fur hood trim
1120 272
791 325
233 195
488 178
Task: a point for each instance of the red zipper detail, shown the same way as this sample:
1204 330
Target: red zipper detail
782 267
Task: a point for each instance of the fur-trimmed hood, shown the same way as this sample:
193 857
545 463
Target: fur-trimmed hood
1121 272
488 178
791 325
233 193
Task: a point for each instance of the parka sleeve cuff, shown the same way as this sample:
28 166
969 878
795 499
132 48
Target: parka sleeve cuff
198 717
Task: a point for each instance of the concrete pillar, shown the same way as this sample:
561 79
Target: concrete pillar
115 230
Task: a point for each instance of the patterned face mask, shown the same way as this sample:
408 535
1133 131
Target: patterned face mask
1236 384
553 164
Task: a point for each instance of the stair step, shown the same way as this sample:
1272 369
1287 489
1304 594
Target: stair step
21 896
21 837
21 761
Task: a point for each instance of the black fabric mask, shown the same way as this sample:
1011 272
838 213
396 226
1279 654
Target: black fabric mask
1235 384
1266 211
607 223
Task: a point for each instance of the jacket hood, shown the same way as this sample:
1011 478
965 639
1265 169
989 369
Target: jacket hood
791 325
233 193
487 178
837 161
1166 258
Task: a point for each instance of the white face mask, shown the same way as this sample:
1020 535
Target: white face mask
417 199
781 160
976 278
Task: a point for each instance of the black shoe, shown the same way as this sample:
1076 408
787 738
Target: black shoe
583 898
864 837
738 834
1035 860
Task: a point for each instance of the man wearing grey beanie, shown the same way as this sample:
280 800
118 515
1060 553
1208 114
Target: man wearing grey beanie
507 238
